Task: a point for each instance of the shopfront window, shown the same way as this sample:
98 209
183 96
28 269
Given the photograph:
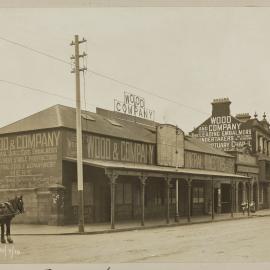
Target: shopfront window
123 193
198 195
158 195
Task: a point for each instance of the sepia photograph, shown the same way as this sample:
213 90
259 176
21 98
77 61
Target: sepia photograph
134 134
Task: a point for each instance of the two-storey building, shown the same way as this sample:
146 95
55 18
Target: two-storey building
248 140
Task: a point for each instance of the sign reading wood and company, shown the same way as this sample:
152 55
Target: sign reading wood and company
224 132
134 105
30 157
107 148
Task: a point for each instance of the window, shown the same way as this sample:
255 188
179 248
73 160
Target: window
198 195
123 193
158 195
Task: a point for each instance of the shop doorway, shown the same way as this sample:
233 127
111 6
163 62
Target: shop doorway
216 200
102 202
197 200
240 195
225 198
255 195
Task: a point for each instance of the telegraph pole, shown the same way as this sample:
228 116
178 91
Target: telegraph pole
77 71
176 181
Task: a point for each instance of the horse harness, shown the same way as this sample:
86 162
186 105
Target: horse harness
7 209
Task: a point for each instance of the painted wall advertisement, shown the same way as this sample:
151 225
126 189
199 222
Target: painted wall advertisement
107 148
224 132
209 162
30 157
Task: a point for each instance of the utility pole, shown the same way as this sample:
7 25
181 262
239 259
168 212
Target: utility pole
77 71
176 181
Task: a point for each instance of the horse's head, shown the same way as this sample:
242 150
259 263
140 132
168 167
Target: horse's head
19 203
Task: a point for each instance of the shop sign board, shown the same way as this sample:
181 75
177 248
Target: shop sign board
135 106
203 161
107 148
247 169
224 132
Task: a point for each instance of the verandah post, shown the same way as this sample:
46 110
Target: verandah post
232 198
176 201
168 182
213 199
142 181
189 182
112 177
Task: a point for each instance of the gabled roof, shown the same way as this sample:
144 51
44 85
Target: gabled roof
48 118
62 116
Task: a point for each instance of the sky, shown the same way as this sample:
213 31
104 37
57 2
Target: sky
187 55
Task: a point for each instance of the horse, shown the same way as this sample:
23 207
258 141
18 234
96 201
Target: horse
8 210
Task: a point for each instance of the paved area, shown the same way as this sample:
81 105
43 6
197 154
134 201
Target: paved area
240 240
27 229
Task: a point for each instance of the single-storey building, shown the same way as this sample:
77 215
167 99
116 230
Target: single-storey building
133 169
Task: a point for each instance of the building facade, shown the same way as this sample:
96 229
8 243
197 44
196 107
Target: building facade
132 169
248 140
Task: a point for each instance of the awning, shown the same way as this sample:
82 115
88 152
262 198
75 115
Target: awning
154 168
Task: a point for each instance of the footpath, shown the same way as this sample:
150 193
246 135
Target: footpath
97 228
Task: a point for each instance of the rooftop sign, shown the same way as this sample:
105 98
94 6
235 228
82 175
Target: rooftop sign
134 105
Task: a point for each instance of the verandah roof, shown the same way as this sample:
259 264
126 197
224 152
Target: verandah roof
158 169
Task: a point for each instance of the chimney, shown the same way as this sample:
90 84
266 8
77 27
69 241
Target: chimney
221 106
243 117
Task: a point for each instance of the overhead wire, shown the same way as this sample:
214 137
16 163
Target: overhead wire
34 50
99 74
40 91
84 81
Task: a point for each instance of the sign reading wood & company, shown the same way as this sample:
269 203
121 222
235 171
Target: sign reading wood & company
108 148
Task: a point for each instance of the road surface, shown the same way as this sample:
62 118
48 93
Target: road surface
245 240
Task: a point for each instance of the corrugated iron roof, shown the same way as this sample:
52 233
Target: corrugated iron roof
155 168
64 116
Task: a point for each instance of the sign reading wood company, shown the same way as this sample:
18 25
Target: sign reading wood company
133 105
107 148
224 132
